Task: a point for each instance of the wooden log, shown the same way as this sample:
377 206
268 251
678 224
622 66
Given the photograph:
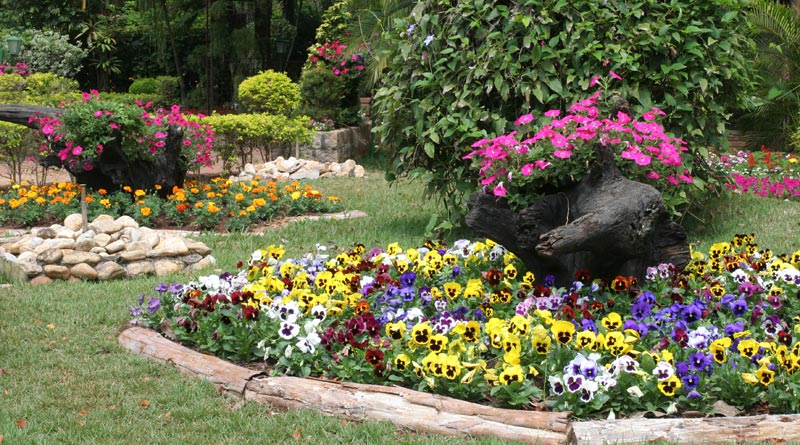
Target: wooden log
21 114
778 429
403 407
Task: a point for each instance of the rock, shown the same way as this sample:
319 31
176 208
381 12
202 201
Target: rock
66 233
204 263
166 267
85 244
109 270
105 225
27 257
150 236
44 232
197 247
127 221
57 272
59 243
138 245
74 222
191 258
102 239
139 268
169 247
130 256
115 246
249 169
359 172
77 257
83 271
30 269
50 256
41 279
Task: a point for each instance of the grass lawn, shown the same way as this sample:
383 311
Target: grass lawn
65 379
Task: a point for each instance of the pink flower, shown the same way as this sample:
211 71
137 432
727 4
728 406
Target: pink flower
114 126
524 119
595 80
552 113
489 180
649 116
614 75
160 135
672 180
562 154
558 140
77 150
175 108
187 142
499 190
541 164
653 175
47 129
527 169
88 167
98 113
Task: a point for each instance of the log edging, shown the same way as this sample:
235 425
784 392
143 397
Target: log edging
448 416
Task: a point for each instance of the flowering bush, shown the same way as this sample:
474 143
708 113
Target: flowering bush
555 151
468 321
20 68
764 172
235 205
86 127
334 56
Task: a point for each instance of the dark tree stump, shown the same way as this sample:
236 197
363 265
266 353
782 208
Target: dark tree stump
607 225
112 170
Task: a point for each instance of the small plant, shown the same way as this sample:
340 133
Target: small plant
324 124
269 92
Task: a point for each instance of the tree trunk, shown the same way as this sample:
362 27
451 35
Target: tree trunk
263 31
607 225
175 54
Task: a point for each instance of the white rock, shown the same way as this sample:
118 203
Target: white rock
105 225
115 246
102 239
73 222
83 271
249 169
166 267
127 221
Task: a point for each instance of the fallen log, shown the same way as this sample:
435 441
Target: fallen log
405 408
776 429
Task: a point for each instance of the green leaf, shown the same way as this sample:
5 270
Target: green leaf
430 149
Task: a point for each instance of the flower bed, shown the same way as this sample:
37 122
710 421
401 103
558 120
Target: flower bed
764 172
468 322
220 204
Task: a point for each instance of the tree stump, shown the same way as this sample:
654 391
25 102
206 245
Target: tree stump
112 169
607 225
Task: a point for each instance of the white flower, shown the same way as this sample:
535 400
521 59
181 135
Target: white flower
663 370
288 352
429 39
288 330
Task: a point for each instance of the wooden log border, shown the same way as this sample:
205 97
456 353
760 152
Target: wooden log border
436 414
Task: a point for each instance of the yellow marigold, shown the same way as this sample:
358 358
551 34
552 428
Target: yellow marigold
239 197
139 193
145 211
127 188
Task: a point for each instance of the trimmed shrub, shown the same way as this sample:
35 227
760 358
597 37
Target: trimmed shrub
321 94
51 52
145 85
461 71
269 92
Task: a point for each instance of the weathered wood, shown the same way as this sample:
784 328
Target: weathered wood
21 114
607 224
403 407
779 429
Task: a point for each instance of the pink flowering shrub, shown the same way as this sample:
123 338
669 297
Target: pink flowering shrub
765 173
341 63
555 151
84 129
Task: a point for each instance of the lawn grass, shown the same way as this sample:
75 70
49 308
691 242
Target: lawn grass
69 381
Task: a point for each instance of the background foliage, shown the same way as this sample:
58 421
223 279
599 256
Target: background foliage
460 71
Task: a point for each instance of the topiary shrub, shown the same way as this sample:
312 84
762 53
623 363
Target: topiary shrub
145 85
321 94
269 92
460 71
43 84
169 88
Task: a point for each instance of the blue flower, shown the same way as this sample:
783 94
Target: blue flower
429 39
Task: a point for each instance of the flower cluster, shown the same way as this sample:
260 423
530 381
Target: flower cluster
334 56
85 128
20 68
556 151
324 124
234 205
468 321
763 172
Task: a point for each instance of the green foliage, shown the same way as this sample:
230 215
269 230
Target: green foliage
773 112
335 23
462 70
145 85
240 136
49 84
269 92
321 94
16 146
169 88
51 52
